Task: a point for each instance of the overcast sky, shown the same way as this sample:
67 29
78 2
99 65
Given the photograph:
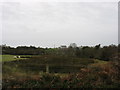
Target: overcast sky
47 24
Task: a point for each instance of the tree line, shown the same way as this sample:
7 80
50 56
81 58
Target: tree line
96 52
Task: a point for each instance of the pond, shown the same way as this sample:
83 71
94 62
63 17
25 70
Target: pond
36 68
54 69
54 64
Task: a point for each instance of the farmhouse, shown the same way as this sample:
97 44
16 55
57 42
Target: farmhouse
63 46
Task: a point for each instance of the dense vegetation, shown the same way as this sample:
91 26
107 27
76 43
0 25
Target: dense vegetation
98 52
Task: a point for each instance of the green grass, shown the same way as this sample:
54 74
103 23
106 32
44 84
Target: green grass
5 58
97 63
100 61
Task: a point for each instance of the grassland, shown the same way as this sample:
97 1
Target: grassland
7 58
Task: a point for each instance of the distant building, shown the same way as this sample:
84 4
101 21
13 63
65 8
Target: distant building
73 45
63 46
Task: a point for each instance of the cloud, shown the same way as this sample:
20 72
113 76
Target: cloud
49 23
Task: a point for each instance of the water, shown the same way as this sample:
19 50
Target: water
54 69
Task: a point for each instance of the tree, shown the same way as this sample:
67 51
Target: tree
97 46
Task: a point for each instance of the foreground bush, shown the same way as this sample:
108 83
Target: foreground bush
82 80
99 76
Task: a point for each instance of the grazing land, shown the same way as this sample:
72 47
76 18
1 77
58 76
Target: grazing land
6 58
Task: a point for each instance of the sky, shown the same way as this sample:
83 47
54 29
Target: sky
49 24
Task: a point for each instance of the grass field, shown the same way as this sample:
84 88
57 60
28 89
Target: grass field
5 58
97 63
